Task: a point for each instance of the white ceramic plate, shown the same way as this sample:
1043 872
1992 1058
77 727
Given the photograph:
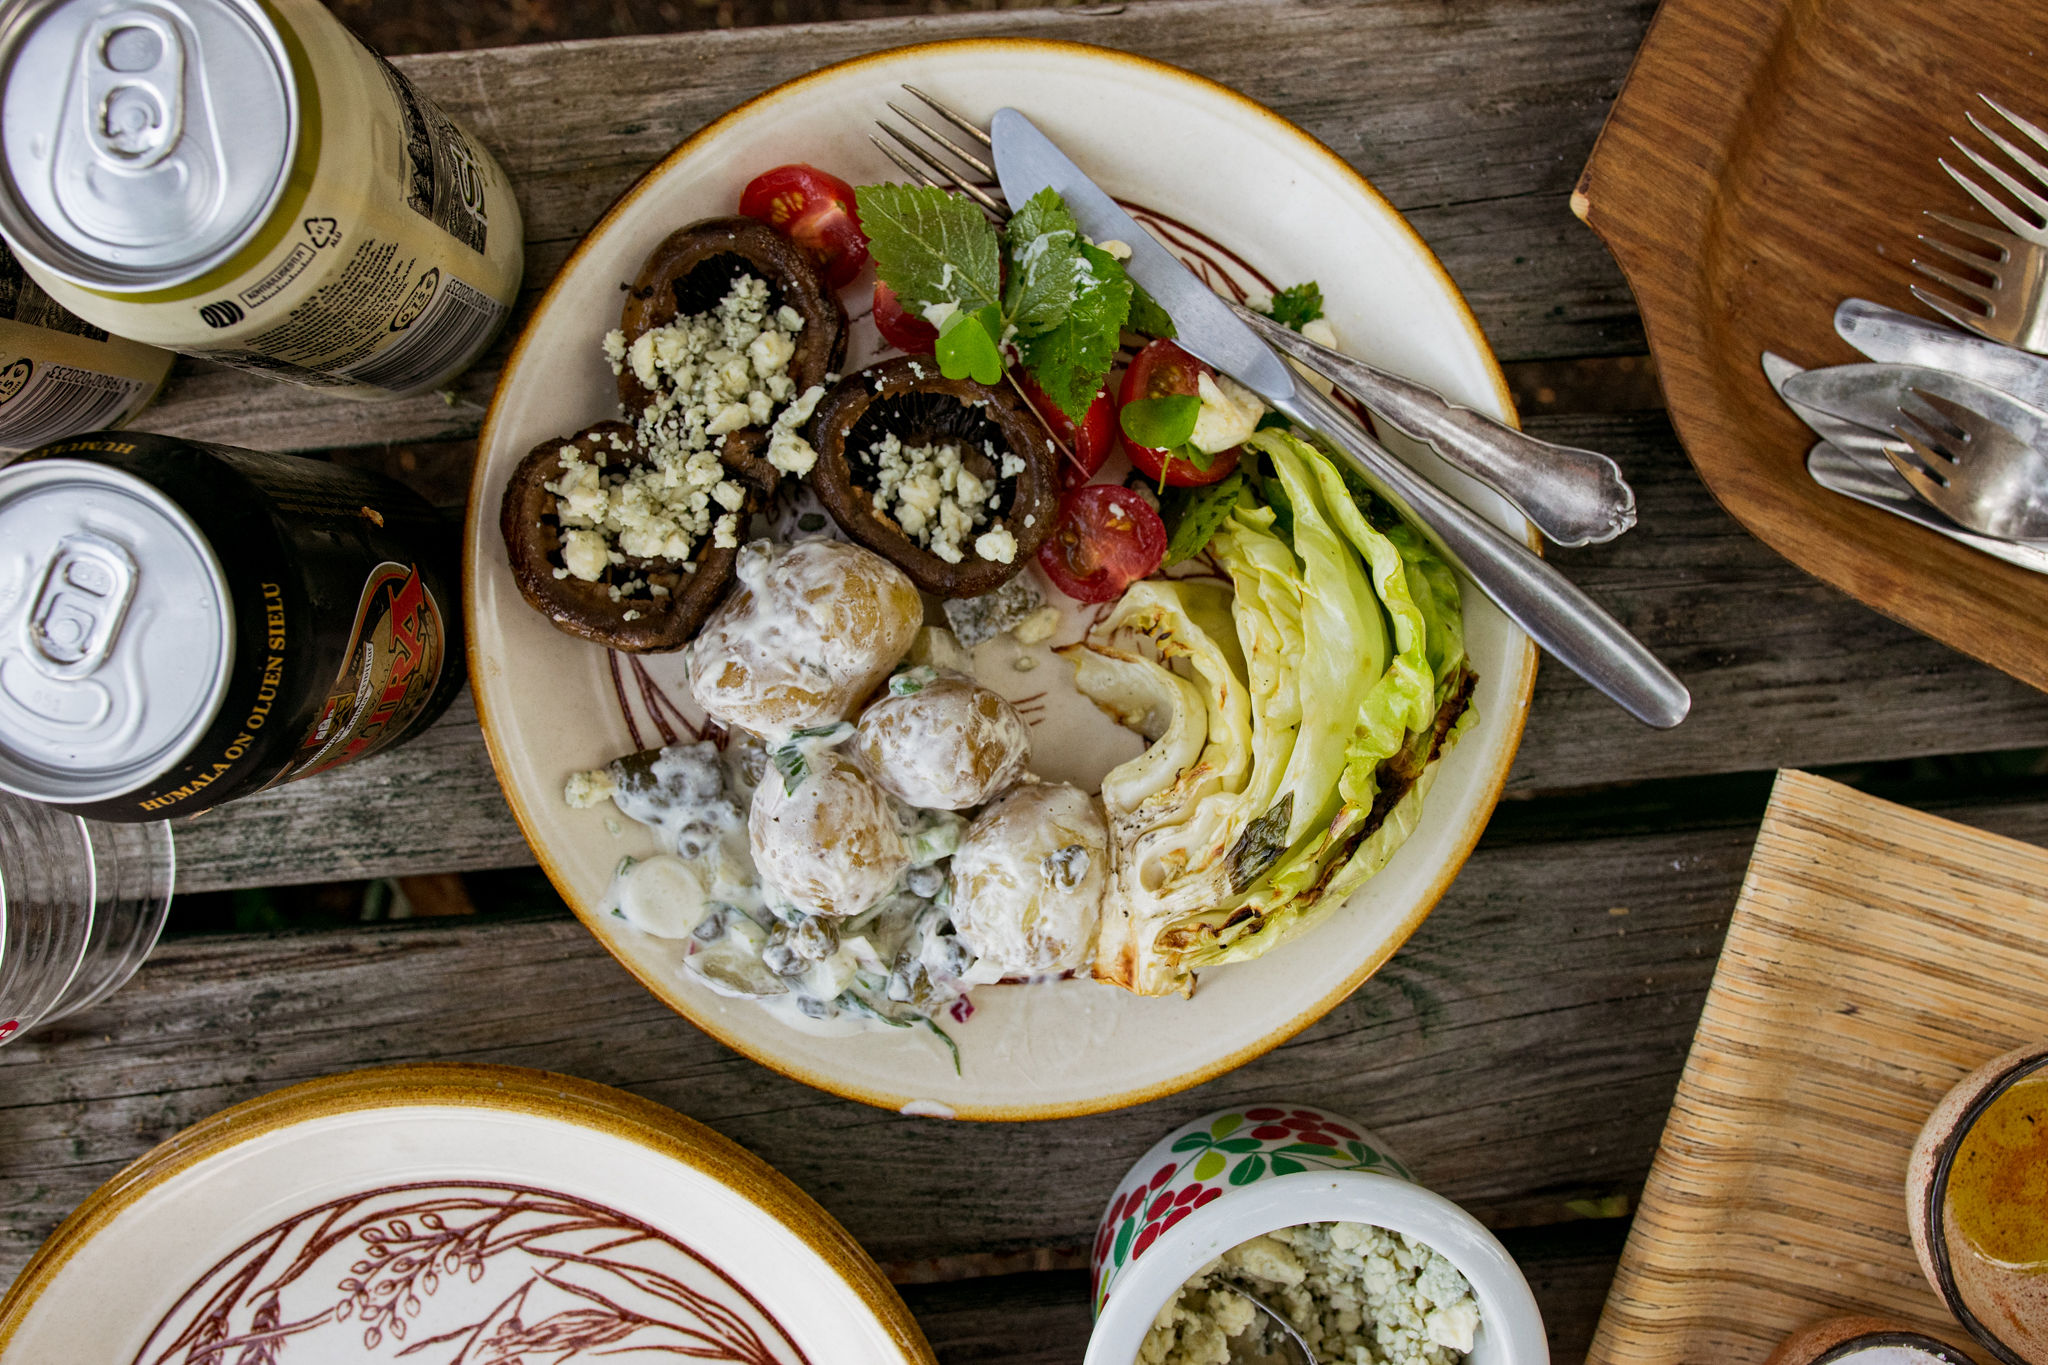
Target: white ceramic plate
440 1214
1271 201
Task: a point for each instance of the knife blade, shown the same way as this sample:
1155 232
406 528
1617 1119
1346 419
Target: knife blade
1889 336
1868 396
1546 605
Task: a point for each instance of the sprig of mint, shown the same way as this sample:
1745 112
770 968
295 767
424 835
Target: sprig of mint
1297 305
1063 306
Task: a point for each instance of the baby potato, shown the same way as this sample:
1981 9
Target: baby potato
808 632
830 842
1028 880
947 745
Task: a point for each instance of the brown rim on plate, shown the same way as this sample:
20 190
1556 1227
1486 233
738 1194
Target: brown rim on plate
1467 837
545 1094
1937 1192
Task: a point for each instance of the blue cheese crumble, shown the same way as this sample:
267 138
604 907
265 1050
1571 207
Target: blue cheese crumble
1359 1295
939 502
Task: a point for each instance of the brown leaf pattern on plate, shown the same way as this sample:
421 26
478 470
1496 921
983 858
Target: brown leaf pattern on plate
465 1274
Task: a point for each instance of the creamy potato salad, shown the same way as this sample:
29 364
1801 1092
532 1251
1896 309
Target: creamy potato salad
1359 1295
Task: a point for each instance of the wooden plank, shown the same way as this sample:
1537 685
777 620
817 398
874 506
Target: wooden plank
1784 671
1473 121
1520 1052
1876 956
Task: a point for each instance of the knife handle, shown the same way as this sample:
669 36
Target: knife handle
1561 619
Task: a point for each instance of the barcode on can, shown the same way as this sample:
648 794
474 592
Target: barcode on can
54 401
455 324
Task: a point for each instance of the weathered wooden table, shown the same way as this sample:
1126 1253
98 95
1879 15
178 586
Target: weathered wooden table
1521 1050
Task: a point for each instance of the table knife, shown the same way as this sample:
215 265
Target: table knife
1849 460
1890 337
1556 615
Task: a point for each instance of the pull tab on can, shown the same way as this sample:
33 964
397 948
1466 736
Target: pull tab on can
133 78
79 610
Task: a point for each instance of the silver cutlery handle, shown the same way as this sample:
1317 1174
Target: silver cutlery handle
1574 497
1557 616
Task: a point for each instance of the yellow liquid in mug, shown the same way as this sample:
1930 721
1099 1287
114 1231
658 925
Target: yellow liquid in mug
1998 1183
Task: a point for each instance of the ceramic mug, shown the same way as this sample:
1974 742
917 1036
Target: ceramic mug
1229 1176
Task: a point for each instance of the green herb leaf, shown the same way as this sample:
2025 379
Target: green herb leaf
1194 455
1161 423
1274 421
1193 514
1043 243
1071 360
1147 317
789 761
947 1039
1295 306
1261 844
930 246
966 349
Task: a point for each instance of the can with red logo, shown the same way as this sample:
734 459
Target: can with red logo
183 623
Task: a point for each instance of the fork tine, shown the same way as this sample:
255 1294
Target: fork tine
1932 490
2011 182
2022 159
2033 131
973 130
1990 201
947 173
1961 317
1972 424
1942 437
908 167
1969 289
967 158
1988 264
2008 245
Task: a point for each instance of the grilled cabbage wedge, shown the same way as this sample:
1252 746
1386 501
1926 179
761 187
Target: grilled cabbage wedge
1296 722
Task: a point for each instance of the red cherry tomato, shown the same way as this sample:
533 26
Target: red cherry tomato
1091 441
899 326
814 209
1161 370
1106 539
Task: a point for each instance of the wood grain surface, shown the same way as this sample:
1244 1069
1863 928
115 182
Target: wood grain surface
1876 956
1767 159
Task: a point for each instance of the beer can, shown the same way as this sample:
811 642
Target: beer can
184 623
59 374
243 180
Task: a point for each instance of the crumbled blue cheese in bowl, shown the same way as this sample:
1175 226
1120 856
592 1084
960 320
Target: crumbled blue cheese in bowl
1359 1295
938 501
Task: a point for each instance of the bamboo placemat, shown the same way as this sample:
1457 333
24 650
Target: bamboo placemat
1875 957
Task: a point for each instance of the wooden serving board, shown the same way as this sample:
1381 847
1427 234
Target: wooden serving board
1765 160
1876 956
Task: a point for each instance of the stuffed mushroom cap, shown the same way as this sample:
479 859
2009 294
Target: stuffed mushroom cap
827 839
942 742
809 631
1028 881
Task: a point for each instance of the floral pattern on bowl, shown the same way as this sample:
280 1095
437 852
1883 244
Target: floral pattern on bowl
1195 1164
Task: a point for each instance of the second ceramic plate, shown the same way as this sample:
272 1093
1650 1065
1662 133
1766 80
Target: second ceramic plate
1250 200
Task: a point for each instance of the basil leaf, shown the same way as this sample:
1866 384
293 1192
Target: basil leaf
1043 246
1201 459
1192 515
1147 317
1297 306
965 350
1070 361
930 246
1161 423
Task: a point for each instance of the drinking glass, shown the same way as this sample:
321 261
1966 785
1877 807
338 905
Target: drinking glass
81 905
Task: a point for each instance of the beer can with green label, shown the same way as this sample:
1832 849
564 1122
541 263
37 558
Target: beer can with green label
244 180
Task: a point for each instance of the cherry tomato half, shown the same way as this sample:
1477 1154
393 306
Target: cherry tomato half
899 326
814 209
1161 370
1091 441
1106 539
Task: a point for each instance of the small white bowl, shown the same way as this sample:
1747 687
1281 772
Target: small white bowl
1358 1181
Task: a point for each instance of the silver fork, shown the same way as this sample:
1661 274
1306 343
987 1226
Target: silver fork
2010 302
1973 468
1574 497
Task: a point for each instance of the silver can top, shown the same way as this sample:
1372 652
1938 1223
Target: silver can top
145 141
116 631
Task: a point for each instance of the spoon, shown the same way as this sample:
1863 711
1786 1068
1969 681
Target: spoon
1274 1342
